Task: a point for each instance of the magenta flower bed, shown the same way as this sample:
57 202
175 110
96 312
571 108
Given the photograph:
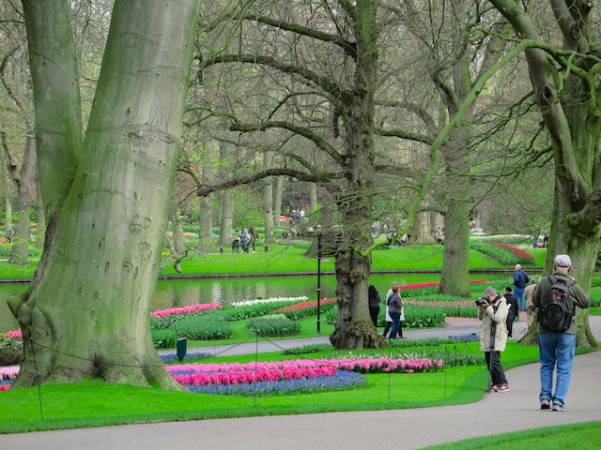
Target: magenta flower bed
196 374
203 378
184 310
16 334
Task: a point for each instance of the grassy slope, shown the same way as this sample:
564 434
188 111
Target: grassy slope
289 258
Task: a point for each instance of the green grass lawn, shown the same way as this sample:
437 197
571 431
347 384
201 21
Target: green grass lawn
95 403
288 258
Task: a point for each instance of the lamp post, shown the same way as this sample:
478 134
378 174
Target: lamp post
318 280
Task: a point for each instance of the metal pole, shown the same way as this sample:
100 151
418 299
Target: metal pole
318 282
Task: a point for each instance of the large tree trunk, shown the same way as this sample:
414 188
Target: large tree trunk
41 220
177 246
354 328
571 114
277 200
312 198
87 311
20 249
454 278
227 219
421 231
205 236
268 202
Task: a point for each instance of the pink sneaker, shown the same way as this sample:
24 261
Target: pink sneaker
503 388
492 388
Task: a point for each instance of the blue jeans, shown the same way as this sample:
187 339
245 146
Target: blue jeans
556 349
518 293
396 324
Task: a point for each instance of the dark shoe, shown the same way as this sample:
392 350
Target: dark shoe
545 403
558 407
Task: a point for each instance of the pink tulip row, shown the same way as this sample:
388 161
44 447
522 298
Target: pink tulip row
16 334
357 365
202 378
8 373
184 310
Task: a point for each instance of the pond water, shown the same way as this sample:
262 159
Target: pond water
176 293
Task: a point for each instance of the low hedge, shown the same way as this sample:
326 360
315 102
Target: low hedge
273 326
203 327
163 338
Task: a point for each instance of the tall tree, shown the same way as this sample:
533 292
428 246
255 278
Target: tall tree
567 81
106 197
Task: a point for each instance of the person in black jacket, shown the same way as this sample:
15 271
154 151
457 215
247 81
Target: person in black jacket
374 304
512 305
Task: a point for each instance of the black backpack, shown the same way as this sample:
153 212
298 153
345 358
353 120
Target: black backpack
557 308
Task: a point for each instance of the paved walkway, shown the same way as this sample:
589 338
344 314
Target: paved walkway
406 429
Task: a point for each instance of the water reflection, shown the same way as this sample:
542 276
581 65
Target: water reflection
224 291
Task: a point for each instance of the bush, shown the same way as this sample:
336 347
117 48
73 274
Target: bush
11 351
163 338
305 349
273 326
203 327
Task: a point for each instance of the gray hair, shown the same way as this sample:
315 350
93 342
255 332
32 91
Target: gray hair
490 290
532 280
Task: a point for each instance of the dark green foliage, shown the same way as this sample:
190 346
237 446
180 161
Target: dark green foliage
273 326
161 323
257 310
306 349
163 338
11 351
203 327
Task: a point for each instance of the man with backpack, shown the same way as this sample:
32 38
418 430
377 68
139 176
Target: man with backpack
556 298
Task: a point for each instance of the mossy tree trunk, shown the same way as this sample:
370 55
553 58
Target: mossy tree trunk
87 311
20 249
353 326
569 105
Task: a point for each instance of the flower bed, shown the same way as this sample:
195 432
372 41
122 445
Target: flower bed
305 309
340 380
16 334
263 301
184 310
504 253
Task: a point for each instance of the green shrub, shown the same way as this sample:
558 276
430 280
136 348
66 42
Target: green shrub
273 326
306 349
11 351
163 338
203 327
296 313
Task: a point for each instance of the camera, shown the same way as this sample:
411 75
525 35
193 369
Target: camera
481 301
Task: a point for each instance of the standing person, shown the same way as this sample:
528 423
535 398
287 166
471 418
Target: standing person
244 238
493 336
512 310
520 280
557 348
254 237
388 324
528 293
395 308
374 304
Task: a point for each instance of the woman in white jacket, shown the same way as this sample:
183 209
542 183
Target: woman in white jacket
493 336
